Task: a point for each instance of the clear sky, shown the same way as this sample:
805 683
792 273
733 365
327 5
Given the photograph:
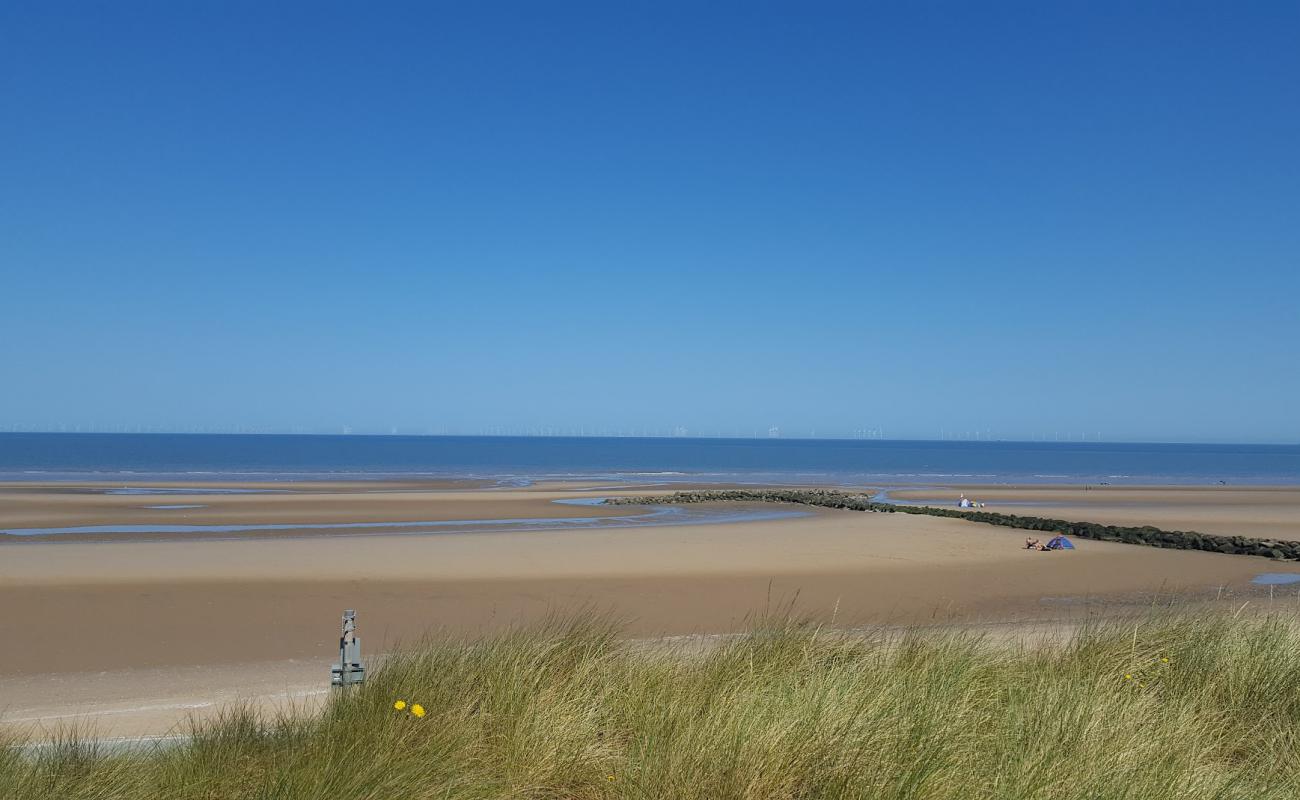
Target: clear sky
1025 219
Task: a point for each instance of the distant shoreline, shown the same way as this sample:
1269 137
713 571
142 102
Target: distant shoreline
664 435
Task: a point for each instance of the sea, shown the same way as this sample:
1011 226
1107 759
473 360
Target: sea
522 460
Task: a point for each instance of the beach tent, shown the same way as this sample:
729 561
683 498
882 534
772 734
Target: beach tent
1060 543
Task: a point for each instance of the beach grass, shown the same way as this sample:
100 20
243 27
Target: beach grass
1169 706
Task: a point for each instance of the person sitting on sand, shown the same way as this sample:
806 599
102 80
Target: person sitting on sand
1033 544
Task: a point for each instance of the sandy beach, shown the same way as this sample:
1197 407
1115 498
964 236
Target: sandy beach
296 505
257 616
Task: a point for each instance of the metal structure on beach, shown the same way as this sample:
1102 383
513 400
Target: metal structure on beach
349 670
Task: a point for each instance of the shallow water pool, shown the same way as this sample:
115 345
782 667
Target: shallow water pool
1276 578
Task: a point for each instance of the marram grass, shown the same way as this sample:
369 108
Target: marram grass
1176 707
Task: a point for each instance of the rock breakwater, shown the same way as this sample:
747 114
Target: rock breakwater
1144 535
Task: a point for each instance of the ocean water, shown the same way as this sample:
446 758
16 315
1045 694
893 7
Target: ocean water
144 457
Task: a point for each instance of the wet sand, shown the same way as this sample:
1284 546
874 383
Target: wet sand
293 509
55 506
258 617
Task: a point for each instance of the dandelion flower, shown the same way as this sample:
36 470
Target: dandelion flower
1164 661
417 710
399 705
1128 677
609 778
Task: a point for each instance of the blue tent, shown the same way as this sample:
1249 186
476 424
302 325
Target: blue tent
1060 543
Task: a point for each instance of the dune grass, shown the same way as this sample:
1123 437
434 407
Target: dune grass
1175 707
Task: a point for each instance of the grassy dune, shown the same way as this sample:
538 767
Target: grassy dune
1166 708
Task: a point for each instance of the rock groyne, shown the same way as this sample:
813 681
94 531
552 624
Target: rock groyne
1144 535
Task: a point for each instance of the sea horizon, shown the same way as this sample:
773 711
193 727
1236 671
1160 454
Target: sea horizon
194 457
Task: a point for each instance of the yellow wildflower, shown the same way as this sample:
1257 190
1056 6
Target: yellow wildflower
417 710
1164 661
399 705
1128 677
609 778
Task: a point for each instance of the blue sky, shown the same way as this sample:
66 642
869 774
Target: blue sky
1024 219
